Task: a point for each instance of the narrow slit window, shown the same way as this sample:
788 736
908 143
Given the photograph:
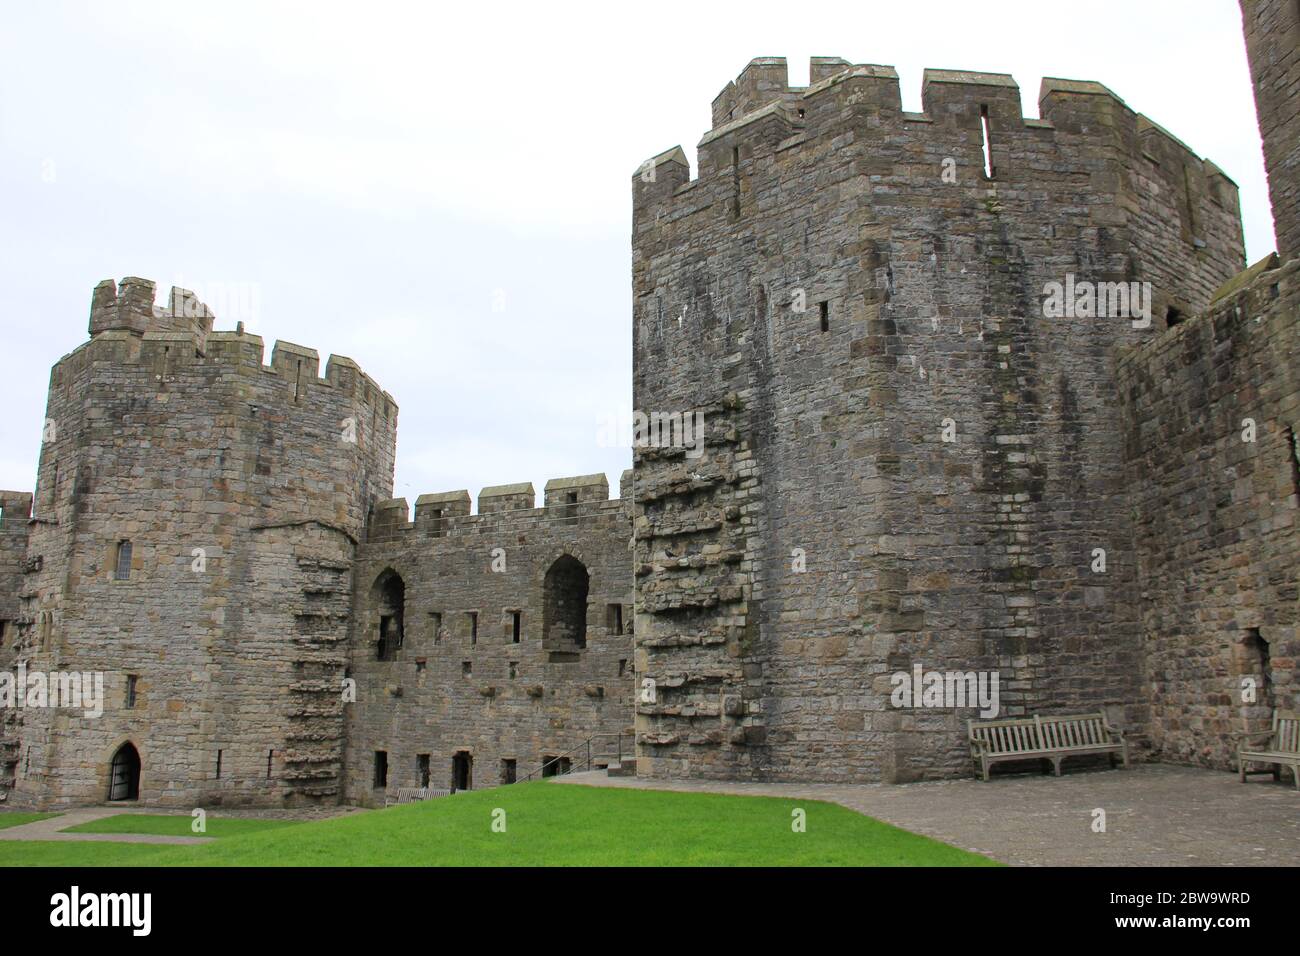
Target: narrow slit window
473 626
381 768
270 758
516 625
435 626
219 754
122 562
824 316
735 183
1293 455
132 683
986 131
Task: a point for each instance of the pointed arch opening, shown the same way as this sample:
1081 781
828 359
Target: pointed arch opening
388 604
564 607
124 773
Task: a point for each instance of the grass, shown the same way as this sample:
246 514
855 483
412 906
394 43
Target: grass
174 825
546 824
8 820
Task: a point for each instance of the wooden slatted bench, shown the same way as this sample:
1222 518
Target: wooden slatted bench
1044 738
415 794
1281 747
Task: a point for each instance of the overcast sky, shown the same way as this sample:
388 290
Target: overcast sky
442 192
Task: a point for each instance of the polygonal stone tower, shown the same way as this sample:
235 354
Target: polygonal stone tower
912 459
194 526
1273 46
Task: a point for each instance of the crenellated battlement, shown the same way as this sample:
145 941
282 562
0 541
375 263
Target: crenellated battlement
15 511
127 329
129 306
759 117
447 514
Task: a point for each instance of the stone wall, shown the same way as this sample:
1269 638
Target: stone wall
242 489
1273 46
479 686
1212 413
15 511
842 288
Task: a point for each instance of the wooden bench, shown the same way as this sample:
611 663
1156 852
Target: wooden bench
1044 738
1281 748
414 795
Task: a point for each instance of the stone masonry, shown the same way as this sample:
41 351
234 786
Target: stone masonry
882 446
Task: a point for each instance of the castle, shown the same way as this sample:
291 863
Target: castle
910 458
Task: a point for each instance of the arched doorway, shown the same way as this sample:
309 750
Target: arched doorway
124 778
564 605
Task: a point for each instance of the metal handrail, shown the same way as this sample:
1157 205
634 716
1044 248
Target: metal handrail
586 744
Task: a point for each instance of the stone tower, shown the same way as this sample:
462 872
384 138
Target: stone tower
194 528
1273 46
912 461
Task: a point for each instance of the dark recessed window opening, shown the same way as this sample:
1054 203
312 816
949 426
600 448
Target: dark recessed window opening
514 669
1172 317
388 597
219 754
435 626
614 618
270 757
1293 455
508 772
516 620
824 315
122 563
466 668
473 626
422 769
381 768
132 681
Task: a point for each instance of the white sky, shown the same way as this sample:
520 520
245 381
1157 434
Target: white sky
378 177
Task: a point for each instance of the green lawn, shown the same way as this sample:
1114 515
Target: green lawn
174 825
546 824
8 820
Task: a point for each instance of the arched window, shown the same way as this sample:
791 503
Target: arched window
124 777
564 605
388 600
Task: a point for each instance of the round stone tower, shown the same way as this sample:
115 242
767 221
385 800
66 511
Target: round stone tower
190 552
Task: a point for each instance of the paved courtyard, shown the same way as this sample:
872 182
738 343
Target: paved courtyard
1156 815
